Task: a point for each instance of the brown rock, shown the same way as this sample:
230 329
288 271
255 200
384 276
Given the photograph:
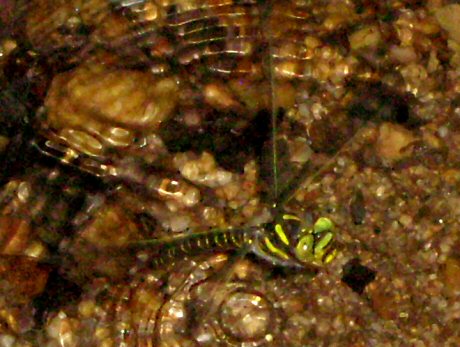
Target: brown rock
219 96
449 17
451 276
385 299
21 278
393 143
14 235
111 227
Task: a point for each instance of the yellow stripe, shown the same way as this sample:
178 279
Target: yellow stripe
271 247
235 240
281 234
217 240
291 217
330 257
247 239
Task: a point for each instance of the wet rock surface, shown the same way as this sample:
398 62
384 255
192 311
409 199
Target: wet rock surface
145 120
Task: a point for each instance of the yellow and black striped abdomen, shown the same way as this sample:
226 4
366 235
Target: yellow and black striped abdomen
167 249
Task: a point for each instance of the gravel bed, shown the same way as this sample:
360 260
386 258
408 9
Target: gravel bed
124 121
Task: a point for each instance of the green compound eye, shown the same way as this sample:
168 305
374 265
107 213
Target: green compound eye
322 224
304 249
316 245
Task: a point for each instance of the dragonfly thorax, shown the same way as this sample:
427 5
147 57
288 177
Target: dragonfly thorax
289 241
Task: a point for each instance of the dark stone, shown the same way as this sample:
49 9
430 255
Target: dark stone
377 102
358 208
58 293
232 139
357 276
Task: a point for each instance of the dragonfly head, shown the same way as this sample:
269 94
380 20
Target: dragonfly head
315 245
290 243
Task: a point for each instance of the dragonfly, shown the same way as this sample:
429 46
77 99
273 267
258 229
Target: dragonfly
287 243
